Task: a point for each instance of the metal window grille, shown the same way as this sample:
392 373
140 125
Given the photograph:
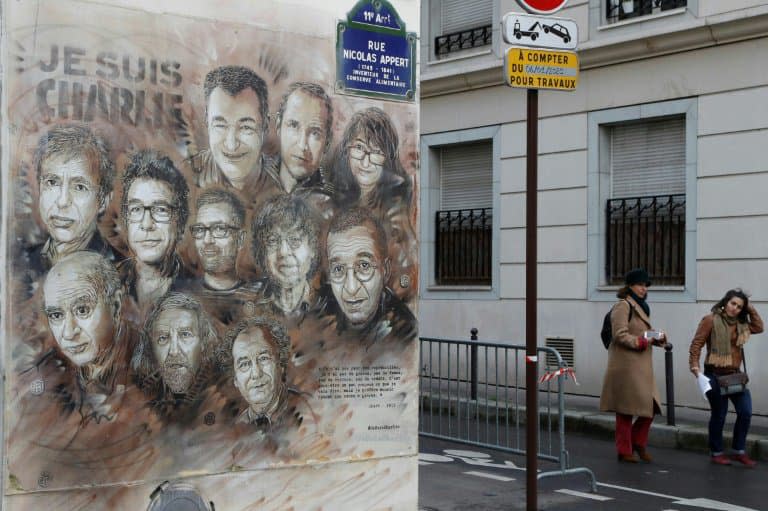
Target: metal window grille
463 246
646 232
466 39
617 10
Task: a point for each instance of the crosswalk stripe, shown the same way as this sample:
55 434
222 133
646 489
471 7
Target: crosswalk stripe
593 496
490 476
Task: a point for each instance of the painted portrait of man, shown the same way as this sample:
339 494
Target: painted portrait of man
75 175
177 358
83 303
237 119
154 213
260 352
358 269
285 237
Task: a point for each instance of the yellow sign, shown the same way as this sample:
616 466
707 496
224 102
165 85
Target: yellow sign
531 68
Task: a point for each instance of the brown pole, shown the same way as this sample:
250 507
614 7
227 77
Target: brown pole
531 240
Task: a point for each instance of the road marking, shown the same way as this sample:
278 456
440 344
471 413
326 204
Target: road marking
424 463
466 454
712 504
593 496
697 502
435 458
490 476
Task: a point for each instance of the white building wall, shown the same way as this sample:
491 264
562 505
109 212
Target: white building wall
728 82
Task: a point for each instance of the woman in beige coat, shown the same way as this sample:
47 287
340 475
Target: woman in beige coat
629 387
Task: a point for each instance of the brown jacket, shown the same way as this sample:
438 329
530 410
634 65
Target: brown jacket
629 386
702 337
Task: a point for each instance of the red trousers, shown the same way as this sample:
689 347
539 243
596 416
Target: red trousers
629 435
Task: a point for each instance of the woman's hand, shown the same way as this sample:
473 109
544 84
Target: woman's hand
695 371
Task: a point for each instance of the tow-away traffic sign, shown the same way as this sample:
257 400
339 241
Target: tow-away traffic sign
530 68
539 31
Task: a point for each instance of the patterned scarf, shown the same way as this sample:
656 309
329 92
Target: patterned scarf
720 350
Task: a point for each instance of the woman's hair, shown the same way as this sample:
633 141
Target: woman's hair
623 292
738 293
374 126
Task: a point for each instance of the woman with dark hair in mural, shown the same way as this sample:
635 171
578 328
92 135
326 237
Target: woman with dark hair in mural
367 173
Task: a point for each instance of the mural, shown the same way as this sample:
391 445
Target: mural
212 268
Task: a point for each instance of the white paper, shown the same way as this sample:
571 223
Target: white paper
704 385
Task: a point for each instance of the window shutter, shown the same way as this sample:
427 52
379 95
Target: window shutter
458 15
648 158
466 176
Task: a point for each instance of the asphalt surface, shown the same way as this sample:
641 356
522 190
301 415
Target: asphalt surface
457 477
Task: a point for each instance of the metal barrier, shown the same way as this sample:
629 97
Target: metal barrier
474 393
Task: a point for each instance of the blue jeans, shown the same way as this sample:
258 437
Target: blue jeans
718 404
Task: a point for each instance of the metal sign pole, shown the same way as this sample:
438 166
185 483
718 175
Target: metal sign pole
531 240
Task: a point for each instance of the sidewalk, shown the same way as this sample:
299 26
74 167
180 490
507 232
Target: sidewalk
689 432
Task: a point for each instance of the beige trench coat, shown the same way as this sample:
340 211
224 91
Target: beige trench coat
629 386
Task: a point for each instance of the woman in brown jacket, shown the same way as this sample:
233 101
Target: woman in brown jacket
725 332
629 387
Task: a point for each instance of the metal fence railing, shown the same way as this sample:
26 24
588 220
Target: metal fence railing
474 393
646 232
463 246
463 40
617 10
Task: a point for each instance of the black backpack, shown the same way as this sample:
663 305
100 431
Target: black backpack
606 334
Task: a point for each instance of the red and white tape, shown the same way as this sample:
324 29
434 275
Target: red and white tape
567 371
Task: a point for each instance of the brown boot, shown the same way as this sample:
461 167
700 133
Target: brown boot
643 453
627 458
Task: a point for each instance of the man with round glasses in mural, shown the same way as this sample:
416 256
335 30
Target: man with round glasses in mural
358 268
218 234
285 238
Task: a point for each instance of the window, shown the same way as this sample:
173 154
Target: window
459 247
463 224
618 10
645 214
463 24
642 197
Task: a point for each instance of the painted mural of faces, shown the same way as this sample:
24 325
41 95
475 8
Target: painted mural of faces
218 237
82 302
177 346
69 199
366 161
235 132
258 372
357 271
152 227
303 134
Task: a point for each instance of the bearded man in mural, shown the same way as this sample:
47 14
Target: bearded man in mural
304 123
218 233
154 213
260 351
75 176
83 303
178 359
359 303
285 245
237 113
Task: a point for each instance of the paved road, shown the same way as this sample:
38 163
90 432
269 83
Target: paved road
456 477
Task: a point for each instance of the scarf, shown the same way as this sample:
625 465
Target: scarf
641 302
720 350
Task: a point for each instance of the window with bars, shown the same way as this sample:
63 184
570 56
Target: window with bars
464 220
464 24
618 10
645 214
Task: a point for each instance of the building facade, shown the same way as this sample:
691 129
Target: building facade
655 160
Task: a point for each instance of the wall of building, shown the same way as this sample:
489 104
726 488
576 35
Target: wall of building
336 427
728 89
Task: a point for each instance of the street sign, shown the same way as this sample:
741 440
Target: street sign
530 68
539 31
542 6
